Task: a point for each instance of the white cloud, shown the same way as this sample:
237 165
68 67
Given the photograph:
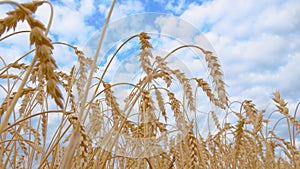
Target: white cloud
69 25
256 42
86 7
123 9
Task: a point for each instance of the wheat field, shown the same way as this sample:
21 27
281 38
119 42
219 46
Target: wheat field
92 121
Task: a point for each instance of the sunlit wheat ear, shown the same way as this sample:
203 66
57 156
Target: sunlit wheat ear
178 114
84 63
37 137
68 85
70 89
206 88
175 153
203 153
10 22
281 105
20 139
193 149
28 93
6 103
46 62
250 110
21 162
270 154
44 120
8 99
41 95
161 103
164 76
111 101
216 120
85 146
95 119
187 88
238 135
10 76
258 124
147 107
289 149
217 76
145 53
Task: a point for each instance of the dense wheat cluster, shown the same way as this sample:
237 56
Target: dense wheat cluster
88 132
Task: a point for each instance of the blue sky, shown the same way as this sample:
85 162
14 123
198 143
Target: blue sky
257 42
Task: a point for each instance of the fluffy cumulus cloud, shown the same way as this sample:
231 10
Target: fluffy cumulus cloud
256 43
